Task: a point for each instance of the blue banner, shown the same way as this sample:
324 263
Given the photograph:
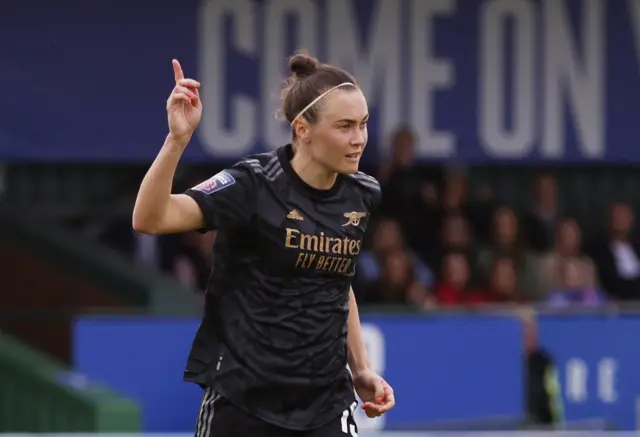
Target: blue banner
479 80
598 360
441 368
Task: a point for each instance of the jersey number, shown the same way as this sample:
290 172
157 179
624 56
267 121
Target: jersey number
349 428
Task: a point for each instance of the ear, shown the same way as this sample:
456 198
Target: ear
302 129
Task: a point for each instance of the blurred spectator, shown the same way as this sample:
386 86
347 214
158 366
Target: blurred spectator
507 241
617 258
398 284
574 287
568 246
455 192
455 233
387 237
194 258
456 201
455 236
540 222
453 288
402 154
503 282
408 196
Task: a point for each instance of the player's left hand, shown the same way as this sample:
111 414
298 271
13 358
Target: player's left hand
376 394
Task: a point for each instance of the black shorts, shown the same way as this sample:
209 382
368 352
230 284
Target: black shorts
219 418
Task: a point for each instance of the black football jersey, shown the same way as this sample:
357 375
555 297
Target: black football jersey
273 339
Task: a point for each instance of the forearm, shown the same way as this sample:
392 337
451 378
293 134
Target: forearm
358 359
155 189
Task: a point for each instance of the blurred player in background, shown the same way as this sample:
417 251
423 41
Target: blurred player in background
281 321
543 392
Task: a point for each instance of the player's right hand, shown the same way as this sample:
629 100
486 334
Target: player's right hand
184 109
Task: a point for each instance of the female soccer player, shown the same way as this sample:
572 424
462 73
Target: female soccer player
281 321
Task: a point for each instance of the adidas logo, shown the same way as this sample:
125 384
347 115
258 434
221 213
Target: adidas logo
294 215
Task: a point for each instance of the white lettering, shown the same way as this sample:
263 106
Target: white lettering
215 136
499 140
276 51
576 375
607 375
566 74
375 66
429 74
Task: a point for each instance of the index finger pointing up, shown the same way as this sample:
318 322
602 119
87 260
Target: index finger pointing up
177 70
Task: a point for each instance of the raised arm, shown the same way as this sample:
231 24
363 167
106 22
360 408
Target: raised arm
157 211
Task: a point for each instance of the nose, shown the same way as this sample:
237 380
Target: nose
358 139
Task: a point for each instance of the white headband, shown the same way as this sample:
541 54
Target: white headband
317 99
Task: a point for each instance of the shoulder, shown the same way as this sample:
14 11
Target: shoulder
262 166
368 186
365 182
245 174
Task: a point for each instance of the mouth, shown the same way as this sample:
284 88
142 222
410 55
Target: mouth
353 156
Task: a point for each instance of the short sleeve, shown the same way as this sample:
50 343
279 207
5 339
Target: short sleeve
370 190
375 201
227 199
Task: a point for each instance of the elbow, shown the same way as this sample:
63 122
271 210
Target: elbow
144 225
143 228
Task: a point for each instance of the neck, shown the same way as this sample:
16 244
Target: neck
312 173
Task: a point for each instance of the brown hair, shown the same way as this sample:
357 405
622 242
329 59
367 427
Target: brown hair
309 78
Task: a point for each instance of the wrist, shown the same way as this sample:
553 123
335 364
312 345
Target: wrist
359 366
360 371
179 142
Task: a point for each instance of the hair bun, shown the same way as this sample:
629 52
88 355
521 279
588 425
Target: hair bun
302 65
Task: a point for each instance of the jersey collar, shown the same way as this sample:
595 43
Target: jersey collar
285 154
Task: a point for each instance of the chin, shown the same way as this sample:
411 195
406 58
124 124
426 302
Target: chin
348 168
